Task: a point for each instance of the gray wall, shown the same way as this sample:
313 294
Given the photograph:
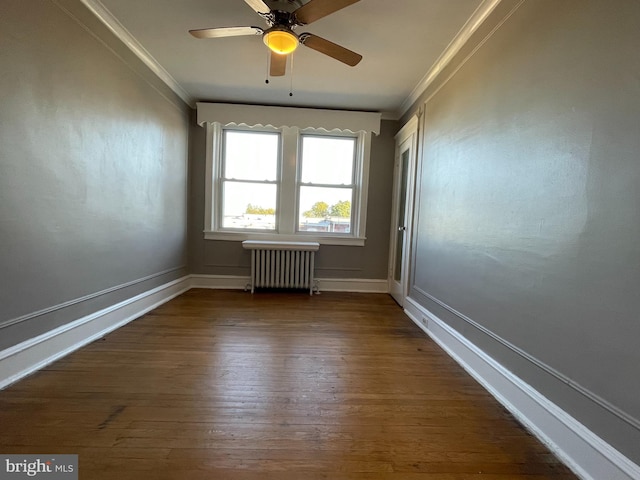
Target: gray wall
528 229
213 257
93 170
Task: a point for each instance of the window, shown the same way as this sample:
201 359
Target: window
249 180
286 174
327 185
286 184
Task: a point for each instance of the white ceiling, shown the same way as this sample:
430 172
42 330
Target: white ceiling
400 42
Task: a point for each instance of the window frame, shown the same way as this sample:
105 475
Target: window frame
289 176
221 178
353 186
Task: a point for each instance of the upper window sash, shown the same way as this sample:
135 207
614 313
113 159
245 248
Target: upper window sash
352 139
249 174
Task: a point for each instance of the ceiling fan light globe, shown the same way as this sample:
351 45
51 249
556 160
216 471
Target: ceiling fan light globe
281 42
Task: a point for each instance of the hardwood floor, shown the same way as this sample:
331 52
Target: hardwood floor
226 385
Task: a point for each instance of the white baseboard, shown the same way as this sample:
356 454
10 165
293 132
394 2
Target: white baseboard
222 282
590 457
31 355
355 285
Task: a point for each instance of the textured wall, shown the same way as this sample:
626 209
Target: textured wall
529 206
93 162
213 257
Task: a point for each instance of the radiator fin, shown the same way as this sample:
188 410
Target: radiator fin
282 269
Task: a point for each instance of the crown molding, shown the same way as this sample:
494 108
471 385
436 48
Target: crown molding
112 23
389 115
468 29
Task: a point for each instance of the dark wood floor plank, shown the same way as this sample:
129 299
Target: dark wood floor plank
224 384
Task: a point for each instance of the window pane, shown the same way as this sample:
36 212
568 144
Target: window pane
249 206
327 160
325 209
251 155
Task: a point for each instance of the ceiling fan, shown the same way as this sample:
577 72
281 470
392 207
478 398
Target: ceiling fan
282 20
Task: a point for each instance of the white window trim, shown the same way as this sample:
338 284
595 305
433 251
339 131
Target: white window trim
218 169
255 115
287 231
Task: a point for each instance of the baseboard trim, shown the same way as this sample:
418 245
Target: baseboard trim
589 456
355 285
31 355
222 282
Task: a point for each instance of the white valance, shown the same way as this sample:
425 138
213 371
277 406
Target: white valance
255 115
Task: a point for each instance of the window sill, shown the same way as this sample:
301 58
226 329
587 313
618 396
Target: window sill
321 239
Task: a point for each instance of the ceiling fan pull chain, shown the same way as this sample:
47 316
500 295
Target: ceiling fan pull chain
291 84
268 67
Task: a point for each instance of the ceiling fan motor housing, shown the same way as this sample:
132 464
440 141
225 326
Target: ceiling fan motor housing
285 5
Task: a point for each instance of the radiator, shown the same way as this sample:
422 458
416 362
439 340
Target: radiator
282 264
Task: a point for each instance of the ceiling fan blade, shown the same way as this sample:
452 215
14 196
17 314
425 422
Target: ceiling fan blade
334 50
278 65
317 9
259 6
226 32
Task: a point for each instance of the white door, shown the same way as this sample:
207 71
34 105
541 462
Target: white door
401 218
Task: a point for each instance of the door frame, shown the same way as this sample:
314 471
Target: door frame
408 133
